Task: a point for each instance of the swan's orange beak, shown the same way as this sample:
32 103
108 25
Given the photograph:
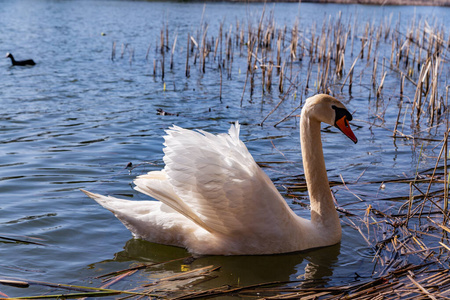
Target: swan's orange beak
343 126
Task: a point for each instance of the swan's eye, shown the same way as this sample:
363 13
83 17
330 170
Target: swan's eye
340 113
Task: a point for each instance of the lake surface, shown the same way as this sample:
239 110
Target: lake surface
76 119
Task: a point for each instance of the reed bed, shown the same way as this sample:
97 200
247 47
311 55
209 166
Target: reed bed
407 68
333 57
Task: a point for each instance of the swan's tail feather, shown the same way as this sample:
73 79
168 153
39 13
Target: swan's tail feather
100 199
115 205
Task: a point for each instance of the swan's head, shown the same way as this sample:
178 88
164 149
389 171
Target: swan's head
327 109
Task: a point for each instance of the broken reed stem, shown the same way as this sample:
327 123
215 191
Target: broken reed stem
113 51
187 72
161 40
230 56
374 73
280 85
269 77
162 66
380 87
402 84
123 48
204 50
220 90
173 51
410 203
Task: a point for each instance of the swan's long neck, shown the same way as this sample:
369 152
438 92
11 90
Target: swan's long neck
323 212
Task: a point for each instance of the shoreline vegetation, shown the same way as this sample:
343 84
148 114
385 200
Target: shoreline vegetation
365 2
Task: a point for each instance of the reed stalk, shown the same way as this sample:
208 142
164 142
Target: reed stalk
113 51
187 69
163 65
398 116
173 51
220 90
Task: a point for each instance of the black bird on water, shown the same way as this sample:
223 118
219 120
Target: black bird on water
28 62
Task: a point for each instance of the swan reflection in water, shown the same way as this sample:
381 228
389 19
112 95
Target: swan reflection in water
310 268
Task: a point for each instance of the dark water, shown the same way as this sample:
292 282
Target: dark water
76 119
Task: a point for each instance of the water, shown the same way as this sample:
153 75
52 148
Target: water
76 119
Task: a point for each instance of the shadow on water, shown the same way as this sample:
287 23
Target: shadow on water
311 268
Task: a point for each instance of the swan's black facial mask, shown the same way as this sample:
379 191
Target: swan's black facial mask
341 122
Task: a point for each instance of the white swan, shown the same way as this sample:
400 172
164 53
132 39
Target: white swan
214 198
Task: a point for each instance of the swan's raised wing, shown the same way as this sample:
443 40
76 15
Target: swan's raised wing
219 180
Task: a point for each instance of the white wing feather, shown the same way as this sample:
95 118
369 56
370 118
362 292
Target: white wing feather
214 181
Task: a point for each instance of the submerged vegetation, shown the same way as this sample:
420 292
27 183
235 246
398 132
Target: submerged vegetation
405 68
